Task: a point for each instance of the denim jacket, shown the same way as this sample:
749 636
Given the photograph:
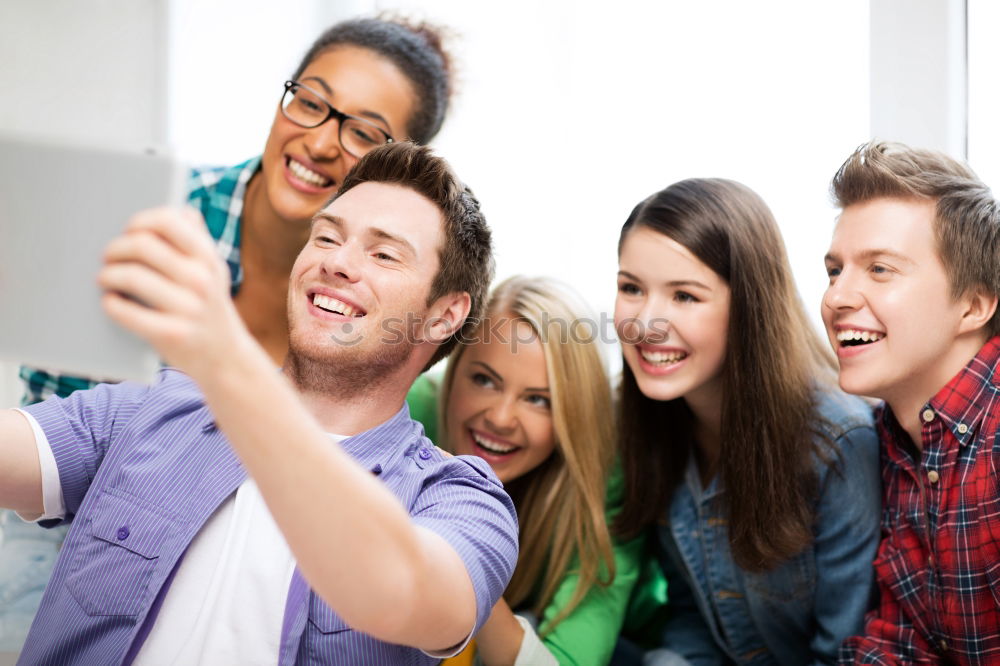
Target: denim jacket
799 612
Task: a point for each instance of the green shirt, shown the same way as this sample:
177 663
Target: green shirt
588 635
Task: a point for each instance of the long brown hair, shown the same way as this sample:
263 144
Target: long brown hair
774 362
560 503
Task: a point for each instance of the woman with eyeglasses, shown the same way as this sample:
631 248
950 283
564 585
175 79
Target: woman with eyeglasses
363 83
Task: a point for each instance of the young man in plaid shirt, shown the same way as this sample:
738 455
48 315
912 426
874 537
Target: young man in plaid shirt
911 310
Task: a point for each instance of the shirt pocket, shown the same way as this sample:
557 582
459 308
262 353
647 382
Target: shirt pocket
323 618
117 556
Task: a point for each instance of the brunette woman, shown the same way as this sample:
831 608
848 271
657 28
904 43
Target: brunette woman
759 477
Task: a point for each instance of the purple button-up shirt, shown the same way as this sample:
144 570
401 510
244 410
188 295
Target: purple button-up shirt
143 468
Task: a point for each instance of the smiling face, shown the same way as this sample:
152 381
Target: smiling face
672 314
366 270
888 309
499 407
302 168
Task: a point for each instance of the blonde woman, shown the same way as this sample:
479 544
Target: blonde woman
530 395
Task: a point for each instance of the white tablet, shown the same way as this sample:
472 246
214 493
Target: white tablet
60 205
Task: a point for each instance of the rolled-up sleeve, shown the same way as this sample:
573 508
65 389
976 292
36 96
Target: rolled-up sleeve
53 506
467 506
78 431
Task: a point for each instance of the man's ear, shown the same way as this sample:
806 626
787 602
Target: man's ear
446 316
979 308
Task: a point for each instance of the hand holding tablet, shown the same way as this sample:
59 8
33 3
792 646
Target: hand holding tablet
60 207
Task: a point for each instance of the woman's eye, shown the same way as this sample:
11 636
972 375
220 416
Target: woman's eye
684 297
382 256
479 379
307 103
629 288
325 240
539 400
365 136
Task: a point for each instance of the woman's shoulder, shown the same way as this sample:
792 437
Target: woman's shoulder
840 413
846 424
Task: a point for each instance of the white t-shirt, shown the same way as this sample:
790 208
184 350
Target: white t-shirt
226 604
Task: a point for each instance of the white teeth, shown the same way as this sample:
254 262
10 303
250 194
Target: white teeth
662 357
848 335
308 175
492 446
333 305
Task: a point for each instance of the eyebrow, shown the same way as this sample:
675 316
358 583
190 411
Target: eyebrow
323 216
496 375
392 238
672 283
381 234
487 368
368 114
871 254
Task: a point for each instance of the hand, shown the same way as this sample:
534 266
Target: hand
165 282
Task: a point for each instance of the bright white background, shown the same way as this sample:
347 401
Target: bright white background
568 113
984 94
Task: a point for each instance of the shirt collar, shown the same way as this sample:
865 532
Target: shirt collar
959 404
692 477
383 447
378 449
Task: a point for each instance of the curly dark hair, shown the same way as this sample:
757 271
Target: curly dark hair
415 48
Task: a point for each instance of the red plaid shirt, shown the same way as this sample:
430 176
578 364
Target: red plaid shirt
938 564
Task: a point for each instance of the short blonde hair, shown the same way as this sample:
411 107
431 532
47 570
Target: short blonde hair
967 220
560 504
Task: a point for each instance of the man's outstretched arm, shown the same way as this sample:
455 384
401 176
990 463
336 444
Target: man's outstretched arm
355 543
20 471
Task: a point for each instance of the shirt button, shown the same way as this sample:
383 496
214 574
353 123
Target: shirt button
377 469
930 561
425 454
122 533
933 476
944 645
962 428
928 415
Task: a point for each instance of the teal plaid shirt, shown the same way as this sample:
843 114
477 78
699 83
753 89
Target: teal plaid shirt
218 193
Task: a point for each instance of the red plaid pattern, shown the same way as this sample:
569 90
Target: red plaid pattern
938 564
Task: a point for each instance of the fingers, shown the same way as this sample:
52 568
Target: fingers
147 324
165 282
183 228
147 248
175 244
149 287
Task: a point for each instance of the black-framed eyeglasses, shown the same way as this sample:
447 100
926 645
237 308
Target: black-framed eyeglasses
307 108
